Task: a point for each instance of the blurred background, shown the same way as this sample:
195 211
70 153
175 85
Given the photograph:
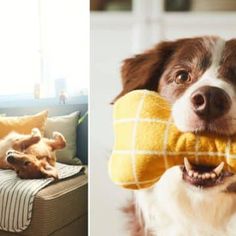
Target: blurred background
120 28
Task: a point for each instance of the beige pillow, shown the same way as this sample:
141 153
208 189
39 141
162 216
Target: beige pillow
66 125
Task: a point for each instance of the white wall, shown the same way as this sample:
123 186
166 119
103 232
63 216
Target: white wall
108 48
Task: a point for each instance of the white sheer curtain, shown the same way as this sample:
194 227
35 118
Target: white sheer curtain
42 41
19 39
65 29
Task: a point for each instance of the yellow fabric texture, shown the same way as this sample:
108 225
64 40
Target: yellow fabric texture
147 142
23 124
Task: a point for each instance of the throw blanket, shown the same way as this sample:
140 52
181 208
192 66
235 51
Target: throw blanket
17 196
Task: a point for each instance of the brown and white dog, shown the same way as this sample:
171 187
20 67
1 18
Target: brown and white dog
198 76
31 156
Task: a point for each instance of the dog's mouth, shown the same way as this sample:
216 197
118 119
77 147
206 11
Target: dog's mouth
204 176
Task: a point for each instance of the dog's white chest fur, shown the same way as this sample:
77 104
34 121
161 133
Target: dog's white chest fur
174 208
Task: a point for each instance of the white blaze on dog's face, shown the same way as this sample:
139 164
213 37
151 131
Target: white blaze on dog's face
205 87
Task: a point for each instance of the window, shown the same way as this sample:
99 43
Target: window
110 5
44 43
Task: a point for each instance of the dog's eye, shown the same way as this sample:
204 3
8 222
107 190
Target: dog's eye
183 77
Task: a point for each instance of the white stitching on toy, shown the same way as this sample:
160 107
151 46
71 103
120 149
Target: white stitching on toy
133 151
165 143
149 120
161 153
196 148
139 182
227 151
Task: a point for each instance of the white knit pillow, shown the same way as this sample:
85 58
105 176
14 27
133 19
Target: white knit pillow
66 125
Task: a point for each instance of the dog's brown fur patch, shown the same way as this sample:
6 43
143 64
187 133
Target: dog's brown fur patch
135 225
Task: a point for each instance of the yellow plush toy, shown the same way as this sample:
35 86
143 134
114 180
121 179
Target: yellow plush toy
147 142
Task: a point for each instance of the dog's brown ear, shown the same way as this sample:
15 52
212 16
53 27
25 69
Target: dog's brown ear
144 70
49 171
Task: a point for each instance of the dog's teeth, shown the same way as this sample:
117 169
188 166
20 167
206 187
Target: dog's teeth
213 175
190 173
203 176
187 165
219 168
207 175
195 174
199 176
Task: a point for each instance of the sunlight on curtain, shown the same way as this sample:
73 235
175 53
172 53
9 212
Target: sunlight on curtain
65 43
19 58
43 41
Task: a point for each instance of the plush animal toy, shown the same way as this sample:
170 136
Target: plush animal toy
147 142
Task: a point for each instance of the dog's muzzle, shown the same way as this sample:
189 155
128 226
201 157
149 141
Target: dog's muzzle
210 103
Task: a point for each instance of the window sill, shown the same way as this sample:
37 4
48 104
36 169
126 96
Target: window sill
24 101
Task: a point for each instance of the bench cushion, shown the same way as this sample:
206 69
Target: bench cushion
57 206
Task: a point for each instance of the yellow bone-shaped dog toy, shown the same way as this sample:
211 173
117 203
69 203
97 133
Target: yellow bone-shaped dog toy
147 142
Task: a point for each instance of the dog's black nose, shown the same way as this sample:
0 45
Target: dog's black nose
10 158
210 102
